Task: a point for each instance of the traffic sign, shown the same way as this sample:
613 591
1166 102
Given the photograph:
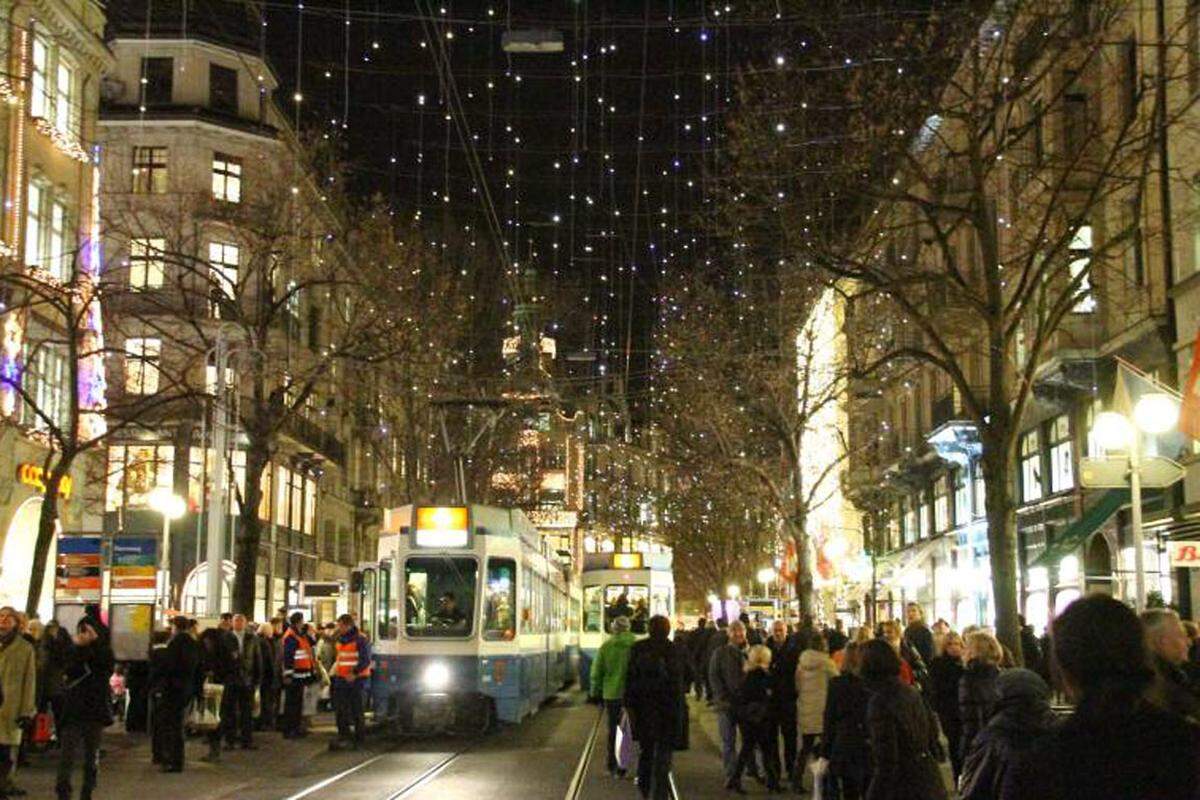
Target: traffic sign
1157 472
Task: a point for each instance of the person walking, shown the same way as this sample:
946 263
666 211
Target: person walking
1168 644
237 700
219 668
1022 719
18 688
785 657
299 670
945 674
351 672
609 670
902 731
755 716
893 634
175 679
917 634
977 687
844 738
85 707
1117 745
725 675
655 691
813 673
697 646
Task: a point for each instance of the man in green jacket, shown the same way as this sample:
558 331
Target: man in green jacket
608 682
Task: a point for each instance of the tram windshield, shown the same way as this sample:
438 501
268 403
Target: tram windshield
601 607
439 596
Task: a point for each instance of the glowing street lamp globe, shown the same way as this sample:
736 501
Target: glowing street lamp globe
733 591
167 503
766 575
1156 412
1112 430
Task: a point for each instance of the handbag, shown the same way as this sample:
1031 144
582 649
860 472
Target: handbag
624 744
43 727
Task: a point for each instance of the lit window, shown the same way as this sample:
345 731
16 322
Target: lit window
962 497
39 81
64 96
1062 470
142 365
44 380
223 273
1031 466
149 170
226 178
33 225
941 504
1080 265
47 231
146 263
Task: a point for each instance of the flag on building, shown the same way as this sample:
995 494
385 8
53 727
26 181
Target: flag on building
1189 413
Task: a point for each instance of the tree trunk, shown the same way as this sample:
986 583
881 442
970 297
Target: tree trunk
804 576
47 527
258 456
1002 545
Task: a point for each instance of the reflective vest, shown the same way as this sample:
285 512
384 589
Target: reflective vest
302 659
347 660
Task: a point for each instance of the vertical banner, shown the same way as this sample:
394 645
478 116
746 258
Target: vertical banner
1189 414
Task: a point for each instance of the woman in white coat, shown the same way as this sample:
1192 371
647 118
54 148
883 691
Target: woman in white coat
813 672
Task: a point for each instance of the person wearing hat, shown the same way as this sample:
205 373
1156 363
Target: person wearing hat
1022 718
608 681
299 670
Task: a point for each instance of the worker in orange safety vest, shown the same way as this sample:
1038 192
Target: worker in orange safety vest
351 676
299 670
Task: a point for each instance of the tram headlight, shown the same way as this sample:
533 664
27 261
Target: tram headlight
436 677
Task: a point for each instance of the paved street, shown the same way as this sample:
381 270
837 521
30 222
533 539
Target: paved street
557 754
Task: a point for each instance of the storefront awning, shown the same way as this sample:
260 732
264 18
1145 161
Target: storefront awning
1074 535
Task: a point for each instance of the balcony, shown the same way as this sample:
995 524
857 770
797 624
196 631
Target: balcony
313 436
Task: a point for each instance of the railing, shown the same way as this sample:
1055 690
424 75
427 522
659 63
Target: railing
314 436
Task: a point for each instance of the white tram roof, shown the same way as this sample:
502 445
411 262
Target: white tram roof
484 521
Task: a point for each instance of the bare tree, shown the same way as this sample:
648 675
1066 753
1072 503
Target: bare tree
984 225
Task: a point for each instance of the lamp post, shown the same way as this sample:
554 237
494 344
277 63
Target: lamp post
1153 413
172 507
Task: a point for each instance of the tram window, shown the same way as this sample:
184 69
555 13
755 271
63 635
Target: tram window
439 596
368 603
388 617
627 601
500 600
593 609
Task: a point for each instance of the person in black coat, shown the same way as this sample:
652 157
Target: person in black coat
917 634
977 687
902 732
697 643
755 709
270 682
176 672
945 675
1031 650
1023 717
784 658
844 741
655 692
1117 745
220 666
85 710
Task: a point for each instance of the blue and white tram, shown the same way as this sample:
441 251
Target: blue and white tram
468 615
612 582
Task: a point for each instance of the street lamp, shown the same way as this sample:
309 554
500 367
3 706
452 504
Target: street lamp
1153 413
733 591
171 506
765 576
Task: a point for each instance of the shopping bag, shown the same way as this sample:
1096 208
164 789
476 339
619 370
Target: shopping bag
820 772
43 727
206 712
625 748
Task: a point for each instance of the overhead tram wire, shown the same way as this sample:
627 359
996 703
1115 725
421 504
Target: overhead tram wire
450 90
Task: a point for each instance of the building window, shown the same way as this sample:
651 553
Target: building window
910 520
47 231
1075 114
142 365
158 79
1080 265
1031 466
980 489
1135 267
45 382
53 93
226 178
941 504
223 274
923 519
1129 78
962 497
1062 469
135 471
146 263
149 170
222 88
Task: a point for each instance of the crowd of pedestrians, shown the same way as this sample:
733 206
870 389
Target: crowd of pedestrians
227 681
910 711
